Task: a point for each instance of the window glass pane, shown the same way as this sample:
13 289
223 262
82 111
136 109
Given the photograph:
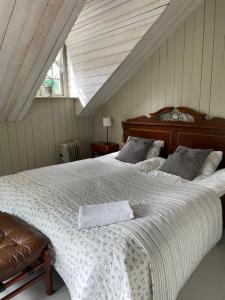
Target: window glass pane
57 88
49 74
55 71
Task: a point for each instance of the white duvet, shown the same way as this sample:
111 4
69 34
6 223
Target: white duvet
149 257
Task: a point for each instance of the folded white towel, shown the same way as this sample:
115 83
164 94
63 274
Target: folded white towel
104 214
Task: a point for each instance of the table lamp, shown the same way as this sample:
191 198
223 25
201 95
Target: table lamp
107 122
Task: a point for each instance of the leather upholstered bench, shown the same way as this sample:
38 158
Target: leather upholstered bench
23 251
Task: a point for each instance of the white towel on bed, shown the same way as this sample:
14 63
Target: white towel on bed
104 214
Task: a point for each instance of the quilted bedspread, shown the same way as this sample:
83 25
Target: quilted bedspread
149 257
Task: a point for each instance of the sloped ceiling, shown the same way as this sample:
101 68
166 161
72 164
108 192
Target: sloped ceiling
113 46
103 36
31 34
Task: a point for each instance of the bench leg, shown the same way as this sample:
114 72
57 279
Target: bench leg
48 269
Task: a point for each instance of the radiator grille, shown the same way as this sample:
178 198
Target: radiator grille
70 151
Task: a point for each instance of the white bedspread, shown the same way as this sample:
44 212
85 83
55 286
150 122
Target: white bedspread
149 257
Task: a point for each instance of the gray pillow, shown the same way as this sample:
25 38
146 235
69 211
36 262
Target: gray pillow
135 150
185 162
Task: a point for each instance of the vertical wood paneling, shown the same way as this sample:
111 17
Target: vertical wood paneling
155 81
34 142
188 69
162 75
28 131
197 58
188 60
170 75
13 147
179 66
5 150
208 46
217 105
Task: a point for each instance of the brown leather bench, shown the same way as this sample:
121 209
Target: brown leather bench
23 251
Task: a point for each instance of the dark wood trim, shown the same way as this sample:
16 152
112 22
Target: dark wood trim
48 270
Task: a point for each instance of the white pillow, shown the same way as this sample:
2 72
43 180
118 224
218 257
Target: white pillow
216 182
148 165
211 163
154 151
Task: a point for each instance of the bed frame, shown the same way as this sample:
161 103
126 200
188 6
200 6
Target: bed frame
180 126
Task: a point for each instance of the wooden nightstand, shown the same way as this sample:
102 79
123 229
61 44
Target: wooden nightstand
102 148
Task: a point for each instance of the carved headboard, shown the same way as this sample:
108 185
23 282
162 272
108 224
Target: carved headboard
179 126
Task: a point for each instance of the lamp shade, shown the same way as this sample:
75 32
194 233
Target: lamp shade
107 122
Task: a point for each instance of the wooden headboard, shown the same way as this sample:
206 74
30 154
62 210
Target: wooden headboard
179 126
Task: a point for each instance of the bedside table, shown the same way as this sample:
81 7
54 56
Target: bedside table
102 148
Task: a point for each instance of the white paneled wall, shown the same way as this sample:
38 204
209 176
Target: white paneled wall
188 69
34 142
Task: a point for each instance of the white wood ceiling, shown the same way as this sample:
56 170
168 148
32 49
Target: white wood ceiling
173 16
103 36
31 34
108 42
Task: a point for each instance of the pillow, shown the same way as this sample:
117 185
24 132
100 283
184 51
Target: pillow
216 182
150 164
134 150
154 151
185 162
211 163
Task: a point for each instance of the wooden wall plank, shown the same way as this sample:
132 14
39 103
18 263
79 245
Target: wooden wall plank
155 81
170 75
13 147
22 147
179 66
5 150
162 75
217 105
197 58
207 59
28 128
188 60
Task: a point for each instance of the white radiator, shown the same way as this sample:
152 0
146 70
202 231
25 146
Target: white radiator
69 151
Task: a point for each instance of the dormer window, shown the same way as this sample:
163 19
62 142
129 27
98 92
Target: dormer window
55 83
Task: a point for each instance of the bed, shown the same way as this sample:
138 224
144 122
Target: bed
144 258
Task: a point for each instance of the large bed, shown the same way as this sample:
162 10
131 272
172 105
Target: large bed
149 257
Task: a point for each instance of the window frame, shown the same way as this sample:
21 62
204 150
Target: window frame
63 78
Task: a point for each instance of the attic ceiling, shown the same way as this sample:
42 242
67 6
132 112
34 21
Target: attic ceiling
31 34
105 45
173 15
103 36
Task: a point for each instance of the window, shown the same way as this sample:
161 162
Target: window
55 81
